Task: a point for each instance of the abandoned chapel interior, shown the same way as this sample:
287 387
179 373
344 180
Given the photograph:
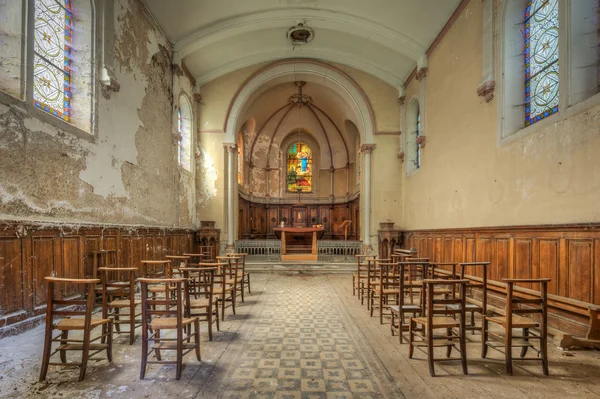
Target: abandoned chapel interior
300 199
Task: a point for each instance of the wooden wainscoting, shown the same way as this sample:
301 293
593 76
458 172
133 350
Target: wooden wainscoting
568 254
29 252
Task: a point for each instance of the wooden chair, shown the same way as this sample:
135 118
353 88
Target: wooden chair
372 278
199 299
407 281
360 275
243 276
125 290
166 314
473 304
439 317
197 257
177 262
514 319
226 283
385 287
81 305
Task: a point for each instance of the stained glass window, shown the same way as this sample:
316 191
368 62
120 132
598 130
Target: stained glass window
299 168
185 132
52 57
541 60
418 151
240 150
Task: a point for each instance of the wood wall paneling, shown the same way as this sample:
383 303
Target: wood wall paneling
569 255
26 259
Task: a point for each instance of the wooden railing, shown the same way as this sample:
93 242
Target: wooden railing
328 251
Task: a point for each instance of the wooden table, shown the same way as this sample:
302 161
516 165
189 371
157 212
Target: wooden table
317 232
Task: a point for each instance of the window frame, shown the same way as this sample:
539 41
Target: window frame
185 97
511 73
28 51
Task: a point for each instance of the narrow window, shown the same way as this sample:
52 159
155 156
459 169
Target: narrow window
52 61
541 60
184 116
299 168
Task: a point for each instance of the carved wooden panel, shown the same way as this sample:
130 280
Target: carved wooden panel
548 263
579 260
44 264
11 273
522 259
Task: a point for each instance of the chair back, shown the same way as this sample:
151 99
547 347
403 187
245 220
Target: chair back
196 257
362 266
177 262
475 269
439 306
242 263
156 269
199 282
118 278
78 305
535 303
388 275
231 268
171 305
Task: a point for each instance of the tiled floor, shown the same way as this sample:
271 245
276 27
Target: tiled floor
298 336
302 346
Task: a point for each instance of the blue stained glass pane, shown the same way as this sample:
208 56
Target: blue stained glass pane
541 59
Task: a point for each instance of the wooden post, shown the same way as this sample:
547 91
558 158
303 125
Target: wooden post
283 242
314 243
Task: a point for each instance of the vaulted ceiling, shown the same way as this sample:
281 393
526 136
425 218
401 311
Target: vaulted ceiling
384 38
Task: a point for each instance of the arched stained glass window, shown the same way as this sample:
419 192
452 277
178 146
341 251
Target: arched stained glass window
418 133
541 60
299 168
184 116
53 30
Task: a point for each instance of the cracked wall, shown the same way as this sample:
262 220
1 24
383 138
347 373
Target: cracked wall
128 174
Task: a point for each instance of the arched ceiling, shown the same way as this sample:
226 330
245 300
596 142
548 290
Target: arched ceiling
384 38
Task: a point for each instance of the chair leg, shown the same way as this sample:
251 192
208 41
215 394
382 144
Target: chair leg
381 301
116 316
526 339
85 354
484 336
430 350
508 351
47 350
209 318
449 347
411 338
144 354
64 336
400 326
217 314
353 285
544 353
197 339
463 351
109 343
392 323
179 355
157 351
222 307
131 325
249 292
233 297
472 322
242 288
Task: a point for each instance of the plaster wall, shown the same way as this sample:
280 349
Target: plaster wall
468 179
125 174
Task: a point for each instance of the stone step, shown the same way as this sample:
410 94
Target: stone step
301 267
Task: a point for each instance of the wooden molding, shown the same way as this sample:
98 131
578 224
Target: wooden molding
422 73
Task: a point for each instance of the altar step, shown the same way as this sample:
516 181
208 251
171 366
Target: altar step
299 267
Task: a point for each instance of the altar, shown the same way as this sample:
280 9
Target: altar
299 243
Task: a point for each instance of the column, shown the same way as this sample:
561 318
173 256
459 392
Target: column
488 84
231 175
367 150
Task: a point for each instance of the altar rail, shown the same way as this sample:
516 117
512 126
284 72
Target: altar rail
270 250
267 250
